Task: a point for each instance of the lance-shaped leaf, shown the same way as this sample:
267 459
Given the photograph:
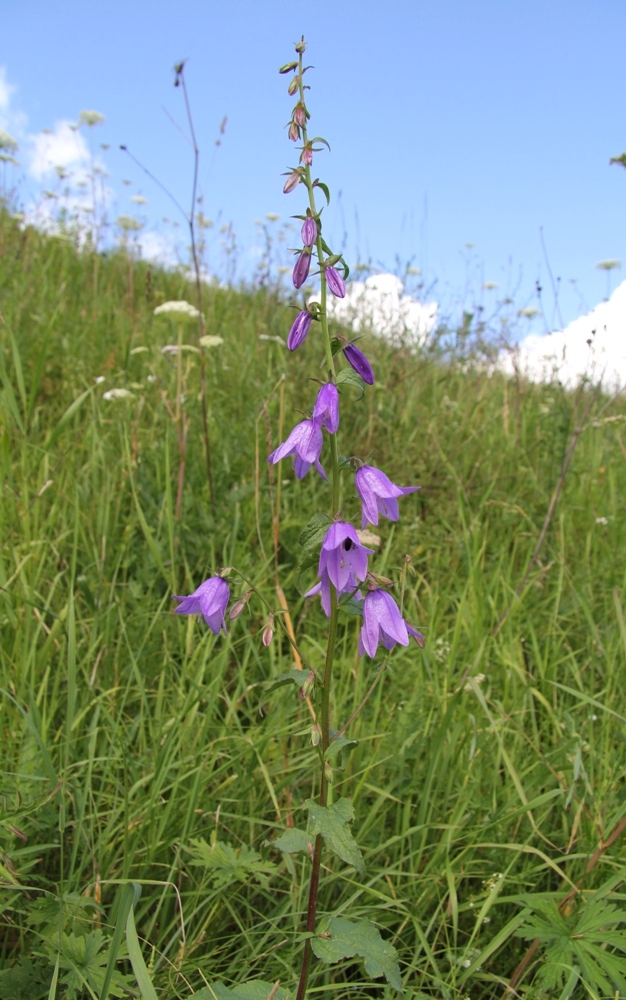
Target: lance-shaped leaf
297 677
312 536
338 750
332 823
340 938
347 376
255 989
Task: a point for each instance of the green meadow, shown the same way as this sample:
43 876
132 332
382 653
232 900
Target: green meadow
138 749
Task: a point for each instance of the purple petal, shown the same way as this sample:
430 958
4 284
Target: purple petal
335 282
301 269
359 362
299 330
309 231
326 409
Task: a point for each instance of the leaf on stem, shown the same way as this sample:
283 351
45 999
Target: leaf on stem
312 535
332 822
227 865
348 376
298 677
340 938
295 841
338 751
255 989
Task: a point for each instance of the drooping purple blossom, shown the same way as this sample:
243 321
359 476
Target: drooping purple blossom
294 132
343 562
309 231
378 494
292 181
209 600
305 444
382 622
299 115
359 362
299 330
307 155
301 269
335 282
326 409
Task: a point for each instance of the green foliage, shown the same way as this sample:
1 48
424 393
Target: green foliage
255 989
227 864
332 822
339 938
580 945
128 732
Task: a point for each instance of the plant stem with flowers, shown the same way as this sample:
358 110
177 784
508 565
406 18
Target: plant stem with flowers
342 571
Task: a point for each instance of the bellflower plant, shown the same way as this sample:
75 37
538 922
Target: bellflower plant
342 571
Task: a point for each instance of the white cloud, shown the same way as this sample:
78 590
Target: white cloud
379 306
62 147
592 346
160 248
6 89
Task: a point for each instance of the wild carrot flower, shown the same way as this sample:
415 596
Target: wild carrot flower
299 330
301 269
305 443
359 362
378 494
335 282
309 231
382 622
209 600
326 409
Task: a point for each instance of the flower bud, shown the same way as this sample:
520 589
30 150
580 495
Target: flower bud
268 631
307 155
316 735
293 85
309 231
301 269
287 68
299 330
237 608
299 115
335 282
328 772
307 687
359 362
292 181
294 132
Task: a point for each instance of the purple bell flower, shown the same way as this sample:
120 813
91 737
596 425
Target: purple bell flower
326 409
335 282
309 231
382 622
378 494
292 181
209 600
305 443
299 330
343 562
301 269
359 362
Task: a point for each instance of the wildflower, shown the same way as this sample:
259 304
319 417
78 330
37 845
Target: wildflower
299 115
292 181
359 362
209 600
343 562
294 132
118 394
301 269
378 494
326 409
335 282
307 155
309 231
90 118
177 309
382 622
305 443
300 329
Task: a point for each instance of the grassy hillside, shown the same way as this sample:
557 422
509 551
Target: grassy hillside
489 780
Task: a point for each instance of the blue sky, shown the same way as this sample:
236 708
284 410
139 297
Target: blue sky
450 123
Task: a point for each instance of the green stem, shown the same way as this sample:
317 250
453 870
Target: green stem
332 630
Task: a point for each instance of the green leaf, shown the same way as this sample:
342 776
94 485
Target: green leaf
72 409
332 823
82 962
255 989
336 346
140 969
351 606
227 864
312 535
340 938
295 841
348 376
339 749
298 677
324 188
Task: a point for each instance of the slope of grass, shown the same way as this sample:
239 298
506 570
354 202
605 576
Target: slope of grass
490 767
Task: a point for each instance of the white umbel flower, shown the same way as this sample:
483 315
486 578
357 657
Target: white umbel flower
177 309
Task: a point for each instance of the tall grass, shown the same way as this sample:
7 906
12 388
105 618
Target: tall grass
130 736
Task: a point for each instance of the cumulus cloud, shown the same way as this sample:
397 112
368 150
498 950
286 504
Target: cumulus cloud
6 89
592 346
379 306
63 146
